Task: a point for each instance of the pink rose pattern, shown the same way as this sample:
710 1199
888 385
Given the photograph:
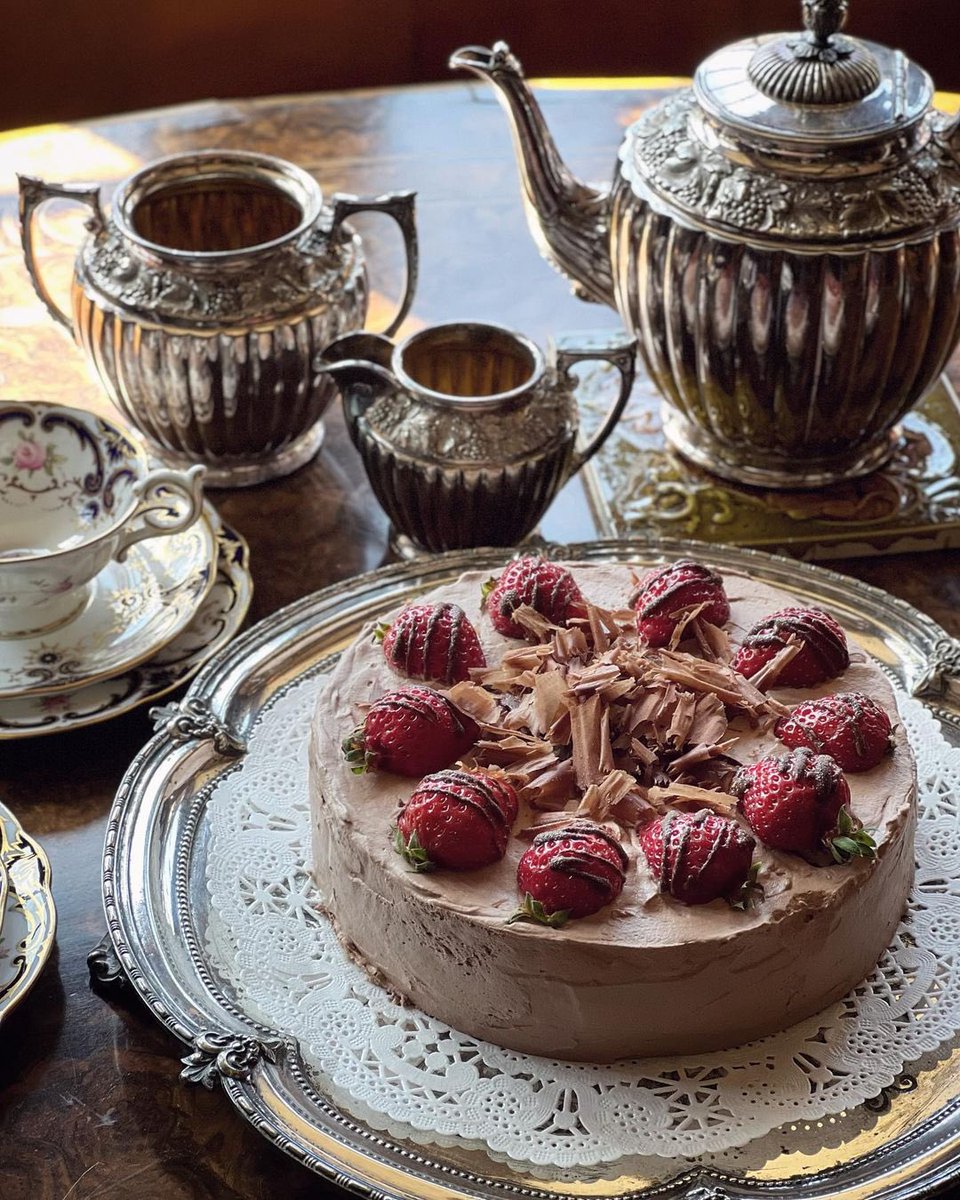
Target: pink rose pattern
29 456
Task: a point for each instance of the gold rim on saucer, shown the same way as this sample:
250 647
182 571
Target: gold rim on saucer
215 623
136 607
30 916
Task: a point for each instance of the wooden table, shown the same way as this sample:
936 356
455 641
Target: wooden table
91 1103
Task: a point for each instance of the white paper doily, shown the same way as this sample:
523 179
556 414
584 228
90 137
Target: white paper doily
411 1075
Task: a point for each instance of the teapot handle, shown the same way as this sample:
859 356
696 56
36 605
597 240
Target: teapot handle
621 354
401 207
33 193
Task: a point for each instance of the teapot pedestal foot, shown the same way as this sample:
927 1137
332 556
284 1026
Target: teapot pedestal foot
245 472
705 451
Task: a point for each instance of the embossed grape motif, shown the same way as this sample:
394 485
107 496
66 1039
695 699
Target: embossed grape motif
663 153
294 278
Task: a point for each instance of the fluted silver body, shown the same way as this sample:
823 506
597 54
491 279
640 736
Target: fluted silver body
777 362
782 238
465 430
203 298
245 401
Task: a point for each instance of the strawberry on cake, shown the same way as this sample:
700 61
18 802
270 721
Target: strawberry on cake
588 812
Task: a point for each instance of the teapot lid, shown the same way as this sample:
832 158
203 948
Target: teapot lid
814 87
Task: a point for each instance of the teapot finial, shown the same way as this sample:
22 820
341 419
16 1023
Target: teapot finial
824 18
818 66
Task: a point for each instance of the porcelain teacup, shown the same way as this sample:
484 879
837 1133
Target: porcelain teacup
75 493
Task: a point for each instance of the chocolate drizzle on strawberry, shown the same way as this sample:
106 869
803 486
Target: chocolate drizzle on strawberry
805 766
853 714
582 862
676 838
479 793
692 572
414 701
820 636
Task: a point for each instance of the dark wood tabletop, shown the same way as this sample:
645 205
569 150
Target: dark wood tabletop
91 1103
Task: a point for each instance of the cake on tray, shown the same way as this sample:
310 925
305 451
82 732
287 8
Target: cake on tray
640 751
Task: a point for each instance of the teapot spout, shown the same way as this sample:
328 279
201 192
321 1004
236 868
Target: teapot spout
569 219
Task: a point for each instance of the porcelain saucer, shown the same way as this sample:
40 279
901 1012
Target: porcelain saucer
29 916
135 607
216 621
4 881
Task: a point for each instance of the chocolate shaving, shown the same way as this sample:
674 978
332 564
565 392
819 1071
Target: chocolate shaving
474 701
699 754
768 673
570 645
600 798
586 737
683 618
713 641
549 689
676 793
527 617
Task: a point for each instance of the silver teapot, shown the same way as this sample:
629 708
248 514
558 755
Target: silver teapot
203 295
467 431
782 238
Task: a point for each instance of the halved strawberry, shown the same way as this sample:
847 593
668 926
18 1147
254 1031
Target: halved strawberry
667 594
459 820
432 641
699 857
569 872
412 732
850 727
544 585
798 802
823 647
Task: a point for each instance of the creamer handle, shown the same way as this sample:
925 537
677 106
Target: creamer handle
34 193
621 354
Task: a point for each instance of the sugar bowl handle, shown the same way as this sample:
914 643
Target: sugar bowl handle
157 493
401 206
621 354
33 193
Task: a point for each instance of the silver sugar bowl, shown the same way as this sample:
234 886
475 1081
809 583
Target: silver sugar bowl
782 237
467 431
204 296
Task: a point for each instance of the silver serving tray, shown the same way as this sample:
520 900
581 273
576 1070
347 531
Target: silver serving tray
156 903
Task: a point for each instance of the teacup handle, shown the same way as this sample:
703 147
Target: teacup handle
401 206
159 519
623 356
33 193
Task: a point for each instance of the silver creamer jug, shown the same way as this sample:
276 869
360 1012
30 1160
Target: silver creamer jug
467 431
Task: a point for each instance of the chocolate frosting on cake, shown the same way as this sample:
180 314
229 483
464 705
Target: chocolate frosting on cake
647 974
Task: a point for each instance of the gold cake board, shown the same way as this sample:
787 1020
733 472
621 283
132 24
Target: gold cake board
637 484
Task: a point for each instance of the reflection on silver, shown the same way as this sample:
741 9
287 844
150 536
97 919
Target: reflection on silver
203 297
789 265
158 918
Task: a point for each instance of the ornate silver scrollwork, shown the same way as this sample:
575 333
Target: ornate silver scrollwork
193 719
884 1099
914 193
106 971
701 1192
218 1056
943 662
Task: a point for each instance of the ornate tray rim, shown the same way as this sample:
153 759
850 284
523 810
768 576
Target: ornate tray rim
30 878
151 945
